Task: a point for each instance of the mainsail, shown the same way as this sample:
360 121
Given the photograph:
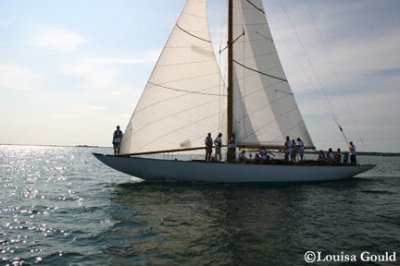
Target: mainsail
185 97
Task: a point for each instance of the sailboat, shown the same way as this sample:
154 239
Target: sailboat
187 96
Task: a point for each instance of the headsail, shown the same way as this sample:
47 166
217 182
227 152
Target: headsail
265 110
185 96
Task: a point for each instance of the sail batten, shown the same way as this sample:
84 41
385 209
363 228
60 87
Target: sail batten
191 34
260 72
256 7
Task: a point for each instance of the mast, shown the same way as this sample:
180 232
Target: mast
230 70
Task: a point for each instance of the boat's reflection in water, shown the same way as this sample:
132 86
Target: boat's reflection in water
197 224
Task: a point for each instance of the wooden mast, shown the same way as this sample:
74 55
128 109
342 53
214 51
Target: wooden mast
230 69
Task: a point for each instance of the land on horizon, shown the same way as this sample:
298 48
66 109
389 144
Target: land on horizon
365 153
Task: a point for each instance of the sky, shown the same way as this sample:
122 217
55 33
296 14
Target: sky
71 70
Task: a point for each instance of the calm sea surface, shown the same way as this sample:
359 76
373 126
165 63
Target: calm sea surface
60 206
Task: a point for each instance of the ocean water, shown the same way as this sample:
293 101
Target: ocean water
60 206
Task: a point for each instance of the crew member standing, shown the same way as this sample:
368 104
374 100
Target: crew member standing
352 150
287 148
300 147
117 139
218 145
232 149
209 143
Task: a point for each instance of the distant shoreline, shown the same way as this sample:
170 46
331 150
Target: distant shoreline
361 153
55 146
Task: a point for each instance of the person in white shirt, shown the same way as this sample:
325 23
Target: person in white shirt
218 145
288 148
293 153
263 154
300 148
352 150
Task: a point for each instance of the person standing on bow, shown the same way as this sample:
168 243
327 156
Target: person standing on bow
218 145
352 150
117 139
209 144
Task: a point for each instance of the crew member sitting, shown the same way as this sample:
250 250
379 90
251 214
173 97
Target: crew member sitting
338 156
242 157
321 156
329 155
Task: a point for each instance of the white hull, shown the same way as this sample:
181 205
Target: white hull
154 169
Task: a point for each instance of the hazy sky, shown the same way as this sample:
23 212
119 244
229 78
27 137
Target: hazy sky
71 70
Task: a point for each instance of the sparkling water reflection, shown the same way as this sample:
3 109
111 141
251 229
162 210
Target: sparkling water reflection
59 206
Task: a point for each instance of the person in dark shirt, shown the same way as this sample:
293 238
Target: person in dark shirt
117 139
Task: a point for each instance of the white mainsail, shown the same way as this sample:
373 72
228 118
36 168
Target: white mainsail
185 97
264 107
